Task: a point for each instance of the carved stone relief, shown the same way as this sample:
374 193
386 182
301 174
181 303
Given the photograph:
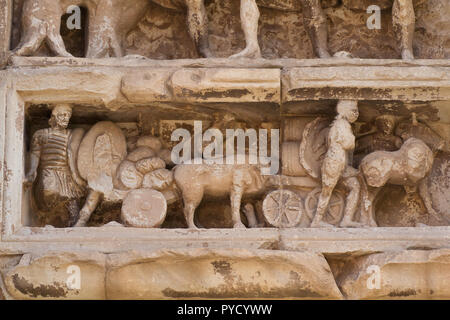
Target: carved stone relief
279 148
321 183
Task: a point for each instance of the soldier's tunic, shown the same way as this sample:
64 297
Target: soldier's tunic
54 181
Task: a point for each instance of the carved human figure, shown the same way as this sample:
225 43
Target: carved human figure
57 184
336 165
109 23
314 21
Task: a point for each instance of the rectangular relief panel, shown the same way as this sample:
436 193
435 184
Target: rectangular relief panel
122 123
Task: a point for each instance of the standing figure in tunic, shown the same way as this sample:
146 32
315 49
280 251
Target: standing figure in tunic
57 186
337 166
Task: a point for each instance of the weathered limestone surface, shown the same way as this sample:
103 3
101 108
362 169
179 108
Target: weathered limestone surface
46 276
414 274
162 33
220 274
5 29
136 102
203 85
227 273
377 83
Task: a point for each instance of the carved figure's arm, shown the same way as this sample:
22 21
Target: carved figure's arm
34 156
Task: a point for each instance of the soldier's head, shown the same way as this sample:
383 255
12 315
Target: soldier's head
61 115
385 124
348 109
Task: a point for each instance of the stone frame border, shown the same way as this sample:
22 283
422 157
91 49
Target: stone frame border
6 8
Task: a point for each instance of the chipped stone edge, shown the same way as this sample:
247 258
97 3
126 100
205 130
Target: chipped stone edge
5 30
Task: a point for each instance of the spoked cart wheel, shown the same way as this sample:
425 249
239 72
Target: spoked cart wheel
283 209
335 207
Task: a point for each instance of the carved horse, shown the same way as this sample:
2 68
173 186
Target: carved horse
407 167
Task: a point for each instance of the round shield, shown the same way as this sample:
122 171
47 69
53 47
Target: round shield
144 208
314 146
283 209
103 148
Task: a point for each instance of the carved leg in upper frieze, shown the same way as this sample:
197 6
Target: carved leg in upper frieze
31 41
404 24
197 22
103 38
41 21
249 21
56 43
315 23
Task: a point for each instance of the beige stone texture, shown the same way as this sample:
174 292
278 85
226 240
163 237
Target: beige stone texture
220 274
191 85
148 229
377 83
413 274
47 276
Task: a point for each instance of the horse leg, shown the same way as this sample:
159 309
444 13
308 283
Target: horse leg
191 200
237 189
249 211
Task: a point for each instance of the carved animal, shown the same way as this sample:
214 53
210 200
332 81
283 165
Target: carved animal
198 180
406 167
109 23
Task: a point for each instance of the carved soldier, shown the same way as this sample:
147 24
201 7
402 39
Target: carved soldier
337 166
314 21
58 187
